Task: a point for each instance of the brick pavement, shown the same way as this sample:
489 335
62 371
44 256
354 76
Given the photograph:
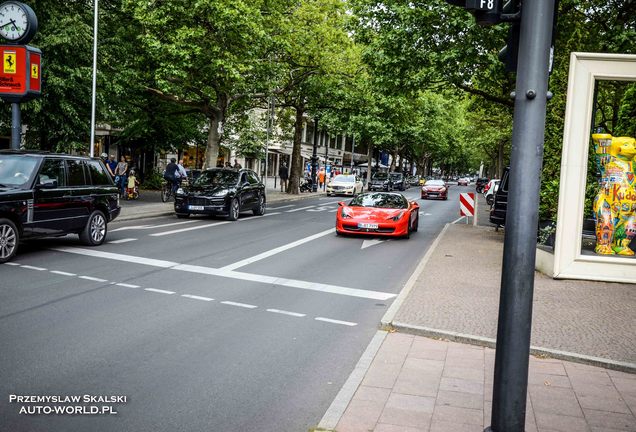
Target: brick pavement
418 384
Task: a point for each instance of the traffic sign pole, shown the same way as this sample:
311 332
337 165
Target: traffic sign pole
517 281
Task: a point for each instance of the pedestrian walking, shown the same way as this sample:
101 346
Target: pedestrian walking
321 177
121 173
183 174
105 160
112 164
283 173
237 166
228 165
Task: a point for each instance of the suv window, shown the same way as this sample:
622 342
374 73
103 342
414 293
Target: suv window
97 173
75 173
52 169
252 178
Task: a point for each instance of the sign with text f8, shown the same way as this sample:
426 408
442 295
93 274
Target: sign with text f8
20 73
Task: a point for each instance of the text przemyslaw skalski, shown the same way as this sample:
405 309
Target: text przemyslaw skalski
59 399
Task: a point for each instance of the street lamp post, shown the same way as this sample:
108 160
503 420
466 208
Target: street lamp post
326 160
92 142
314 158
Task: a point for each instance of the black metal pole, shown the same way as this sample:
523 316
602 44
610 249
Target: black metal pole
326 162
517 281
15 126
314 158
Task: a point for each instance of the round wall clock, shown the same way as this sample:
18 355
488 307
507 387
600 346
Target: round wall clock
18 22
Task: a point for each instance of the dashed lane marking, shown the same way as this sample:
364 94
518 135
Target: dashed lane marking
125 240
284 312
266 280
125 285
243 305
33 268
94 279
12 264
63 273
189 229
160 291
333 321
258 217
195 297
299 209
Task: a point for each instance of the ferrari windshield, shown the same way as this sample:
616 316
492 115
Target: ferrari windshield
15 170
217 178
344 179
380 200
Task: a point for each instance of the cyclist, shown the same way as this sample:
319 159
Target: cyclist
171 174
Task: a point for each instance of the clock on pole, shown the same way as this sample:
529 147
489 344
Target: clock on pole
20 72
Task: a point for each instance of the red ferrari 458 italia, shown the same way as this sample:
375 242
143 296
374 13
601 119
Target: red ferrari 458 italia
379 214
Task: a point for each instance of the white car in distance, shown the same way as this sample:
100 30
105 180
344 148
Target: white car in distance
344 184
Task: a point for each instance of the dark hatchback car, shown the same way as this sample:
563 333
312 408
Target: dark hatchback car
398 181
222 191
380 182
46 194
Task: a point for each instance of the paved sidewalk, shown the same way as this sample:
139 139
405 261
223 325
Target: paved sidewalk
417 384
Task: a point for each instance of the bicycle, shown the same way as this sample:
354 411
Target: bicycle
167 191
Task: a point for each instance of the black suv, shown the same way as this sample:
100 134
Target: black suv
45 194
500 204
398 181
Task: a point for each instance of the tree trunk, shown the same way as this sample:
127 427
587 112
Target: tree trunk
296 162
500 158
393 161
369 159
214 138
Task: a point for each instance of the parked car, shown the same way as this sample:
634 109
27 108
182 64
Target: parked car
490 190
380 182
378 214
500 205
45 194
413 180
463 181
435 189
220 191
480 183
398 181
343 184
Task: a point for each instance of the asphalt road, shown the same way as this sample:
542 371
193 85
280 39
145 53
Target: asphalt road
202 324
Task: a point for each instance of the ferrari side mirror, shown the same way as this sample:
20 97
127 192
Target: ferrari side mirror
341 204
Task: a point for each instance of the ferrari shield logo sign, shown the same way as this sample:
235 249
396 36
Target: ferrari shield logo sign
35 71
9 62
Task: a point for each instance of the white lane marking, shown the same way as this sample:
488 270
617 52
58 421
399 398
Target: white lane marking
268 280
277 250
278 208
189 229
158 291
147 227
33 268
368 243
125 285
299 209
243 305
63 273
333 321
90 278
428 214
12 264
283 312
458 219
118 257
197 297
258 217
126 240
332 211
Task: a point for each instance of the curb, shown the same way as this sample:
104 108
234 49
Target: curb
534 350
337 408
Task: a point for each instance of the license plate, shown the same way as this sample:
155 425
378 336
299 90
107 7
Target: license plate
368 225
195 207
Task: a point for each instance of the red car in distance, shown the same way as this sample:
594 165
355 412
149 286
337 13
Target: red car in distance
379 214
463 181
435 189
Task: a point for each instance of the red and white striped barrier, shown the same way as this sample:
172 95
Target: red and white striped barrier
467 204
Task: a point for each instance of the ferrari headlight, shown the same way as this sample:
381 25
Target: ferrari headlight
397 217
345 213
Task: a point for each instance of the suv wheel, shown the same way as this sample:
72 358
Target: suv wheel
235 209
9 239
94 233
260 208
